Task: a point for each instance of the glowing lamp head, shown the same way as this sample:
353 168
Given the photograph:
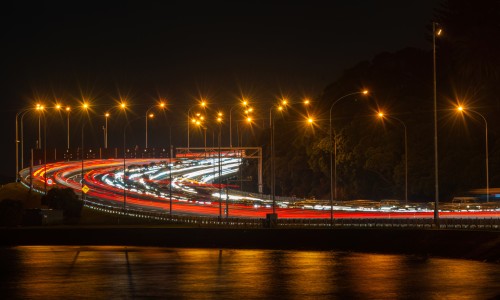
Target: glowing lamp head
460 108
123 105
58 106
249 120
245 102
151 116
85 105
284 102
365 92
198 122
162 104
193 120
219 114
310 120
68 108
280 108
380 114
219 119
203 103
439 32
307 101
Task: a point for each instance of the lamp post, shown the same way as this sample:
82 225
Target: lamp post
124 160
219 122
271 127
20 113
280 108
435 32
68 109
461 109
161 105
203 104
243 103
85 107
381 115
123 106
44 155
333 162
106 116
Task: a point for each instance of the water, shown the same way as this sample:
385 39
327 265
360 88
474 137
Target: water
72 272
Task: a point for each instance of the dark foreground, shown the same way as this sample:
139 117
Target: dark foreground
466 244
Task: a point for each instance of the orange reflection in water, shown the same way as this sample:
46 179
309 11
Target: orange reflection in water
49 272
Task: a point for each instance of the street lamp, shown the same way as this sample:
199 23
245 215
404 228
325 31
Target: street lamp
435 32
283 104
85 107
40 109
219 122
106 116
161 105
243 103
271 126
68 110
461 109
203 104
21 114
124 160
333 163
122 106
381 115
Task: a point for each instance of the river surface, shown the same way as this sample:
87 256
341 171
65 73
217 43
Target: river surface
101 272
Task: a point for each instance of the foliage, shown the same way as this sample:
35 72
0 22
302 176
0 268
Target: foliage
64 199
370 156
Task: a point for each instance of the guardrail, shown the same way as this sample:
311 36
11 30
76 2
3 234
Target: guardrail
203 221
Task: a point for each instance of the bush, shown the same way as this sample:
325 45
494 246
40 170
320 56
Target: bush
67 200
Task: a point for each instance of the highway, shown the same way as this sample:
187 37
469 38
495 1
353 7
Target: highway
195 190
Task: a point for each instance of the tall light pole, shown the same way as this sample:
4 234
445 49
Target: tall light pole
219 122
243 103
122 106
161 105
381 115
68 110
279 108
85 107
106 116
333 162
462 109
203 104
271 127
124 161
40 110
20 113
435 32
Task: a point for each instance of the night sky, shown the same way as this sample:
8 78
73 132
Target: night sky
185 50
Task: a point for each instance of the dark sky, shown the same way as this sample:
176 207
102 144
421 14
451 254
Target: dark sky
182 50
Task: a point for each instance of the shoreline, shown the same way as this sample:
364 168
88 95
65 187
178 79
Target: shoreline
461 244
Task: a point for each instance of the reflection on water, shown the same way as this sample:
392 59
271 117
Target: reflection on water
141 272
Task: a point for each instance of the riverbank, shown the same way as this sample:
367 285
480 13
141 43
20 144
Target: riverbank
464 244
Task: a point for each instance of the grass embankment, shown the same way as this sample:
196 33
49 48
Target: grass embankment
95 217
17 191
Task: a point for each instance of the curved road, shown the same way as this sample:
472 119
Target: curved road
192 188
